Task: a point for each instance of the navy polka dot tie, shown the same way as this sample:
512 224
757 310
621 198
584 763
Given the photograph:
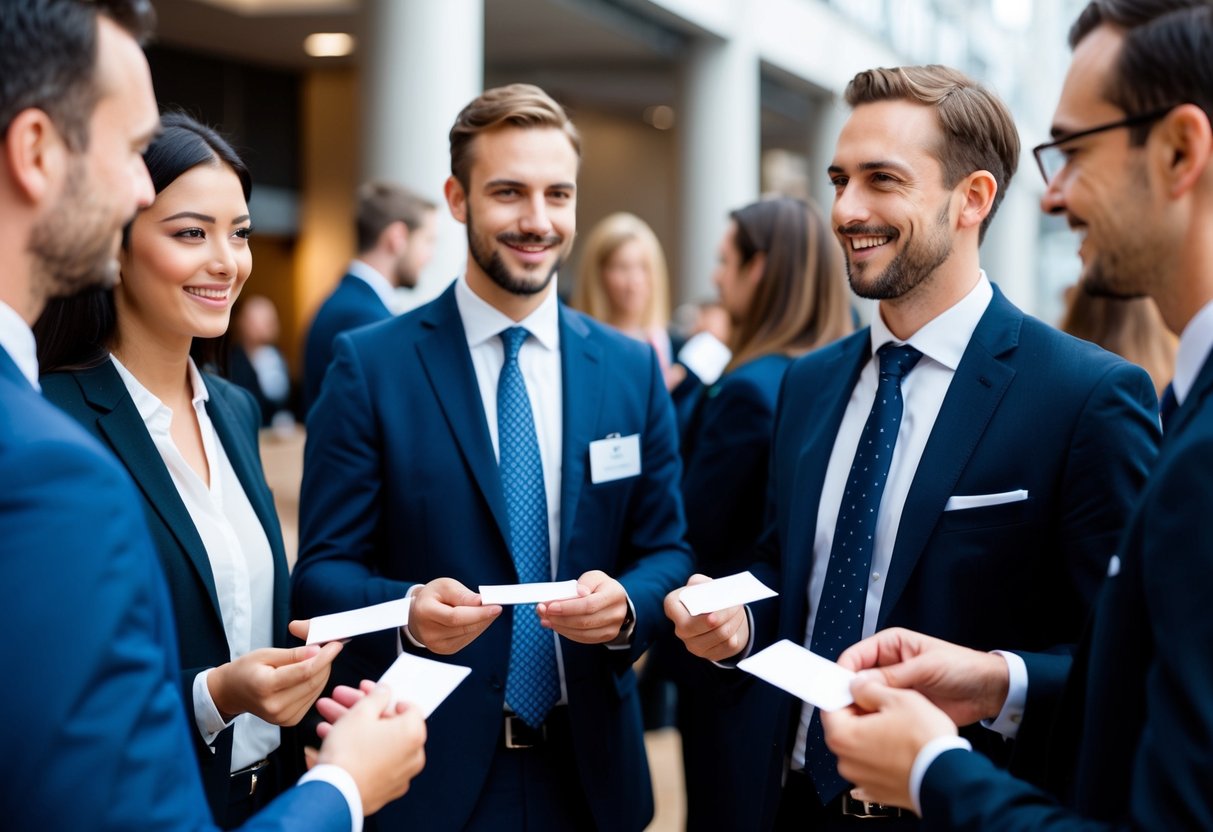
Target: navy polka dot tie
839 621
532 685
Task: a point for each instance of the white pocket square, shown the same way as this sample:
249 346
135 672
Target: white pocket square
982 500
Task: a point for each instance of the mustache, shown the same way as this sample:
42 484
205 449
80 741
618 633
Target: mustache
867 230
512 238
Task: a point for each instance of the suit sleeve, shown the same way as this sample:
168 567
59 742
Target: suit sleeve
96 739
656 546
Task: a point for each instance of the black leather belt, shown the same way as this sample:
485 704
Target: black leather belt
516 734
244 782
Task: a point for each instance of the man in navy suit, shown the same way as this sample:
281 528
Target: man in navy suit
958 466
492 437
1129 731
396 232
95 736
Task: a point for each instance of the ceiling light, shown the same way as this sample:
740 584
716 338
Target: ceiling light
660 116
328 44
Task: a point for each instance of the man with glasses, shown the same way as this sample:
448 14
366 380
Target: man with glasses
1128 728
957 467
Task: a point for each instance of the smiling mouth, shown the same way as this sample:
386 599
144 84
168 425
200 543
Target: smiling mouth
860 243
209 294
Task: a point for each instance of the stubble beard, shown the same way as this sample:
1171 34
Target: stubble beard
491 263
910 268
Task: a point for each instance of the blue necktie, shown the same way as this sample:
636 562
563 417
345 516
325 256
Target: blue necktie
1167 406
532 686
839 621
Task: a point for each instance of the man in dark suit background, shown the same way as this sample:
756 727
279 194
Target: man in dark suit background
95 736
958 466
396 229
495 436
1129 731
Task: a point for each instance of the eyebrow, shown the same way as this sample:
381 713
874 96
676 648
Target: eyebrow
880 164
193 215
513 183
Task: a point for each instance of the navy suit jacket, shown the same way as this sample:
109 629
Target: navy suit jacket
1133 732
401 486
351 305
98 399
1028 408
96 738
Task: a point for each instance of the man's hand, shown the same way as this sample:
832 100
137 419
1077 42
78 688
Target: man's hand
382 749
595 616
446 616
275 684
967 684
878 738
715 636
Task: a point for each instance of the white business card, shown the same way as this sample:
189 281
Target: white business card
423 683
372 619
723 593
804 674
537 593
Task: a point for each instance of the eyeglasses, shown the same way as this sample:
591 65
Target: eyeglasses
1050 158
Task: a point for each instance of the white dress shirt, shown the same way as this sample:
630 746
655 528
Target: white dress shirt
17 339
1195 344
239 554
942 342
372 277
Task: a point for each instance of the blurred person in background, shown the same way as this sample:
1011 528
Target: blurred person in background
623 282
124 363
1130 327
396 229
255 362
781 281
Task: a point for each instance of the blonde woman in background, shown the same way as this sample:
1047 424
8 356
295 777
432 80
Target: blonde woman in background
623 282
1129 327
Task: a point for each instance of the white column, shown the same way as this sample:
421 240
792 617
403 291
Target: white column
422 62
718 124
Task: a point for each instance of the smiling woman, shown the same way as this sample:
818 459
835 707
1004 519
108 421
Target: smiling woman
119 361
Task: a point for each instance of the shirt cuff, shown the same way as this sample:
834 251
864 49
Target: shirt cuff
731 664
926 756
413 590
1008 719
623 641
206 716
342 781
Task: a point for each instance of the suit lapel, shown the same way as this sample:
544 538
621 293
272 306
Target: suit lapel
838 376
448 367
977 387
246 463
581 382
127 436
1201 388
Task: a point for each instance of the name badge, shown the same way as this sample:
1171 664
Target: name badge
614 458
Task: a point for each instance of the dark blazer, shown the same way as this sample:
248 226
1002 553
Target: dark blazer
97 738
726 454
1133 740
351 305
98 399
401 486
1028 408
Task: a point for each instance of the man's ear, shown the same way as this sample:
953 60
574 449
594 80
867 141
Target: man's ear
395 237
977 191
1186 145
35 154
456 199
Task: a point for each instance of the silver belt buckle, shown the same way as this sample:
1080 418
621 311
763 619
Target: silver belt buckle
510 742
868 809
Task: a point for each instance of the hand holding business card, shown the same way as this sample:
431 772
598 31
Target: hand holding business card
722 593
423 683
343 625
536 593
805 675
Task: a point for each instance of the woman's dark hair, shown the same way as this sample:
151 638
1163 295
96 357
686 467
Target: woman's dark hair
800 302
75 333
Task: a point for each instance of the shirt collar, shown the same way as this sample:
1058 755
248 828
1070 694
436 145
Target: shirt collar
1194 347
155 413
372 277
17 339
482 320
945 337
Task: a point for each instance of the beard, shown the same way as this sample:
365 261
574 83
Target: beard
911 267
70 256
406 276
491 263
1129 264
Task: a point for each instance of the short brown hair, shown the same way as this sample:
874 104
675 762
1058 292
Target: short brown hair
978 131
382 203
514 105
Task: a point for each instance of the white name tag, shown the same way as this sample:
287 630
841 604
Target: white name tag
614 458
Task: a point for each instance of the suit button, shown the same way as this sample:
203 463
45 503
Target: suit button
495 683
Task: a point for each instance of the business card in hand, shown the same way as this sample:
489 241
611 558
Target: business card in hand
372 619
722 593
804 674
538 593
422 682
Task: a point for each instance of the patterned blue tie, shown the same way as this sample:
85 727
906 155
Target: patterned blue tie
839 622
532 686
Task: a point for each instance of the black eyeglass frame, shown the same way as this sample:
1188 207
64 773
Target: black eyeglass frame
1129 121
